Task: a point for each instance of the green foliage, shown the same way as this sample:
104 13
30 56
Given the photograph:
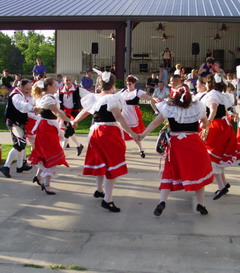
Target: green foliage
10 55
3 126
18 53
76 268
7 147
33 265
119 84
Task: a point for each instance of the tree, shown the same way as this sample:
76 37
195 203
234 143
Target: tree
5 45
34 45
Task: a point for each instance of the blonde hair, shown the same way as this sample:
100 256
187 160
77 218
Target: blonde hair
36 91
178 66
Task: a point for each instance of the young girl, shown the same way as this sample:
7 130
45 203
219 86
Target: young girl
187 163
47 152
132 113
221 140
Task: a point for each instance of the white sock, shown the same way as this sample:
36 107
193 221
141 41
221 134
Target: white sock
20 159
11 155
108 188
219 180
164 195
75 140
65 143
200 196
99 182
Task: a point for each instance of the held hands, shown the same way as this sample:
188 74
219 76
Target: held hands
74 124
36 110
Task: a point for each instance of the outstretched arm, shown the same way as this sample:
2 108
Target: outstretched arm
154 124
81 115
151 100
122 122
59 113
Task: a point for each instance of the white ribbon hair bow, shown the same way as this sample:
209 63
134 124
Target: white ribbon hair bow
40 84
217 78
106 76
97 71
183 95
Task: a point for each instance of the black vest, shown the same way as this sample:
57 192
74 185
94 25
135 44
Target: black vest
47 114
76 100
13 114
187 127
134 101
103 115
221 111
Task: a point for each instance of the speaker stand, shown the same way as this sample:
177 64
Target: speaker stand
195 61
94 59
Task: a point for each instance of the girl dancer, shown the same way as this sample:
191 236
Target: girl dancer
132 112
105 157
187 163
221 140
47 152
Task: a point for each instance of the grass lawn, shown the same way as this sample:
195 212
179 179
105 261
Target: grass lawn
7 147
84 125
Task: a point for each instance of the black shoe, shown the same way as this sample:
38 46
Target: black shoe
25 167
159 209
47 192
110 206
68 146
220 193
79 149
35 179
5 171
98 194
202 209
142 154
227 187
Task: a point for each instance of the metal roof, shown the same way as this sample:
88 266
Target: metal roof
126 9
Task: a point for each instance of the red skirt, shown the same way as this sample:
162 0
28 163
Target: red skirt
187 165
221 142
106 153
238 144
29 126
47 147
139 128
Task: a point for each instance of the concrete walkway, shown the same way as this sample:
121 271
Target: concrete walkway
71 228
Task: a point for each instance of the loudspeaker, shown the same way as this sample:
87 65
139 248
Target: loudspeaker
143 67
94 48
195 48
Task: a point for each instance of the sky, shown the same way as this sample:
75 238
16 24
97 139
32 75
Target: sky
46 33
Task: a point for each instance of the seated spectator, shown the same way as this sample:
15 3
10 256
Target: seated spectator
191 80
161 92
6 80
113 69
59 81
17 80
183 74
232 92
205 68
151 84
3 93
178 69
39 69
216 68
87 81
